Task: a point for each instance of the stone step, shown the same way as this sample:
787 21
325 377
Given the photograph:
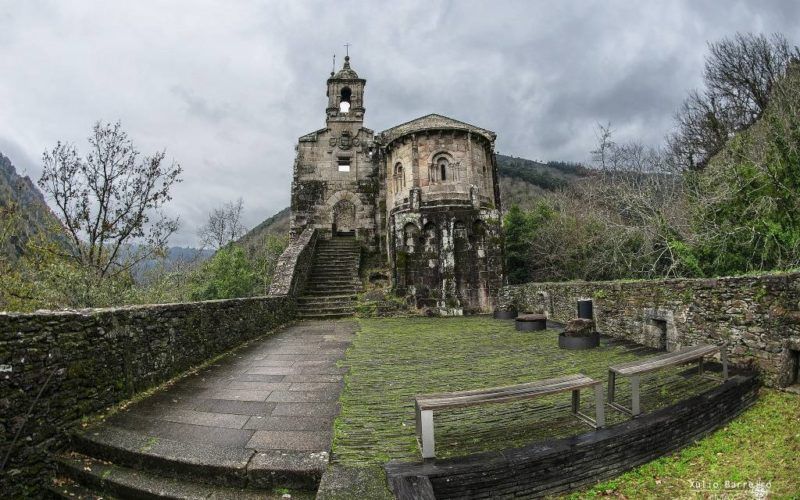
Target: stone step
126 483
316 278
324 301
224 466
333 270
66 487
349 308
339 244
331 280
328 298
328 308
332 290
328 282
334 280
205 464
352 243
311 315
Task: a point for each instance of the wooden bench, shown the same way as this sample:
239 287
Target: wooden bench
427 404
635 369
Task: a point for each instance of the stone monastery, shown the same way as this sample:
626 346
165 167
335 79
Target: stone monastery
424 194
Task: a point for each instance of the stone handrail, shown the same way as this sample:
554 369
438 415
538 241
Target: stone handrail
294 264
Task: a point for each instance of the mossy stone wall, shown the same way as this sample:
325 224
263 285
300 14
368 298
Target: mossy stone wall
64 366
757 316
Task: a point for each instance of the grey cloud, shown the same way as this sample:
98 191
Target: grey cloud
227 88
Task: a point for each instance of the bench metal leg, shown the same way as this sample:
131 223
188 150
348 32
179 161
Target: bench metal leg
612 378
635 409
417 422
700 367
426 425
576 400
723 355
599 407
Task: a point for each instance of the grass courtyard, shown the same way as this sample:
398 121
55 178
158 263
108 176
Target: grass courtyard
392 360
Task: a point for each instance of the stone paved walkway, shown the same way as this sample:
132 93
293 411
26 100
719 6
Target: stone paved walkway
277 394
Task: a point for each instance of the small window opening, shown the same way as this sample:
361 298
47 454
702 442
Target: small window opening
344 164
443 170
344 101
794 367
399 178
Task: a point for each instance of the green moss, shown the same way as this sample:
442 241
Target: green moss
763 445
401 258
151 441
82 368
392 360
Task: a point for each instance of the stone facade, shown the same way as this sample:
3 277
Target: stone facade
61 366
336 184
424 194
757 316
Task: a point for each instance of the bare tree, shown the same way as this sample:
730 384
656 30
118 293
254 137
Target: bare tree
110 200
740 74
224 225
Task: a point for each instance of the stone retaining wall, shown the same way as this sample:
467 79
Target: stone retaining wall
758 316
64 366
562 465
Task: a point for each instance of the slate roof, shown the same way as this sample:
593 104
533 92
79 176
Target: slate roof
433 122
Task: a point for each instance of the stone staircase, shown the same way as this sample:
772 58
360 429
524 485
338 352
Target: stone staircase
119 464
334 280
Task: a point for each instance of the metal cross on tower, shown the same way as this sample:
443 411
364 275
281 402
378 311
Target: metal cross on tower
347 49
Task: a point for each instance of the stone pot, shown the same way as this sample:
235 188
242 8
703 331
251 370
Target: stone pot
531 322
576 343
500 314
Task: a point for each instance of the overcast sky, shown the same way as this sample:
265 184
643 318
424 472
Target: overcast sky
228 87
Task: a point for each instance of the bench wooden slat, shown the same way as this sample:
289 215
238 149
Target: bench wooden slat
663 360
504 394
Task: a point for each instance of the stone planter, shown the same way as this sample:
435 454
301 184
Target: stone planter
577 343
498 314
531 322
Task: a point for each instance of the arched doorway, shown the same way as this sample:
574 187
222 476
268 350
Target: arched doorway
344 218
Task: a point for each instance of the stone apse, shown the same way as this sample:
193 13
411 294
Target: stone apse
423 195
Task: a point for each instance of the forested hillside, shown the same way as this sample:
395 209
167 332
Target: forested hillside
700 206
522 182
23 207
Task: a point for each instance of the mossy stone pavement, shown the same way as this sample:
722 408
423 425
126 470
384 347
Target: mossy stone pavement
261 417
268 416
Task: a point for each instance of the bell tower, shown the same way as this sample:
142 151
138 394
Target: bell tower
345 96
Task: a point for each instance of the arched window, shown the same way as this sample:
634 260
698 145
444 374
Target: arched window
399 178
344 100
